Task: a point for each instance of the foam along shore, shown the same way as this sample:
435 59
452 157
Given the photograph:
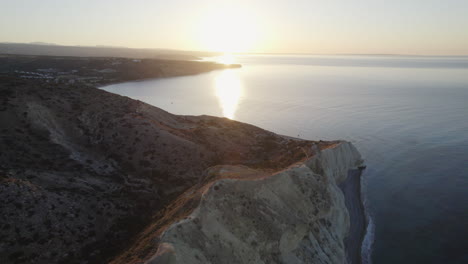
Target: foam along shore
351 188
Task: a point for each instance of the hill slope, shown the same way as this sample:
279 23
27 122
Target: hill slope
83 170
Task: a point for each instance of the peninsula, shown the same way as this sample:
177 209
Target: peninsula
87 176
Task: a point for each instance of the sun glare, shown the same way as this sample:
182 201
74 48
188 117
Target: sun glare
226 58
229 91
228 30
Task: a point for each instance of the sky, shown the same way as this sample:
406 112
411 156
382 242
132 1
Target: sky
431 27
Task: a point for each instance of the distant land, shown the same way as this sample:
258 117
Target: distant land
98 71
50 49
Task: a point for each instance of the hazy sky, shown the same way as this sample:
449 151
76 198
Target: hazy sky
294 26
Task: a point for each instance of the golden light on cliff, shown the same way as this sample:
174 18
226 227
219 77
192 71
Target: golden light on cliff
228 89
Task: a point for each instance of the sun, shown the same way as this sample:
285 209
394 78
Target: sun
228 30
226 58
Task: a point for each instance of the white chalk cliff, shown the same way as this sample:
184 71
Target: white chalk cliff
296 215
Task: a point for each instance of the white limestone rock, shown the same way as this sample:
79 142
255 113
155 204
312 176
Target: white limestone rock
297 215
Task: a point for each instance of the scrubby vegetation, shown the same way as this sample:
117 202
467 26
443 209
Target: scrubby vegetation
83 171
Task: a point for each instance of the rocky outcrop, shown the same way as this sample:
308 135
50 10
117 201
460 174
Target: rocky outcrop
296 215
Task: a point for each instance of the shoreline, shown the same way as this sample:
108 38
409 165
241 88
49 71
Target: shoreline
100 71
126 139
351 189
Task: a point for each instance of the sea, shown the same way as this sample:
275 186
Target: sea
407 115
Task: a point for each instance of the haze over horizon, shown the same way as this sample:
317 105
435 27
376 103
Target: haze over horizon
305 27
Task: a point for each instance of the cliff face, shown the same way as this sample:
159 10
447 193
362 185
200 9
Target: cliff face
297 215
89 176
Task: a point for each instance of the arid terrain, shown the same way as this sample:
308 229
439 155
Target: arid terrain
83 171
87 176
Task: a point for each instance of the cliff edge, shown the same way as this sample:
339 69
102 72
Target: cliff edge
296 215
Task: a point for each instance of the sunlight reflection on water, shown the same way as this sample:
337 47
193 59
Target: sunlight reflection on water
228 89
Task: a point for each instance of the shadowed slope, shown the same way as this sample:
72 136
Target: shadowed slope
83 170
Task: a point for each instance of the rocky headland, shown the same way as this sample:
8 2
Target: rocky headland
87 176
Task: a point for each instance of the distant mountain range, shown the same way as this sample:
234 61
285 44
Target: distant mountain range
50 49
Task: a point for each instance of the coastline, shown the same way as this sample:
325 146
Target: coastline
120 143
351 189
100 71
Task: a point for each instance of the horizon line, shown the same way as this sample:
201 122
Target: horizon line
40 43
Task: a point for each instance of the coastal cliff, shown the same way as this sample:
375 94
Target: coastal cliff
90 176
296 215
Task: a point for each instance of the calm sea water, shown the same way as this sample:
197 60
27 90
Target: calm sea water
408 116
